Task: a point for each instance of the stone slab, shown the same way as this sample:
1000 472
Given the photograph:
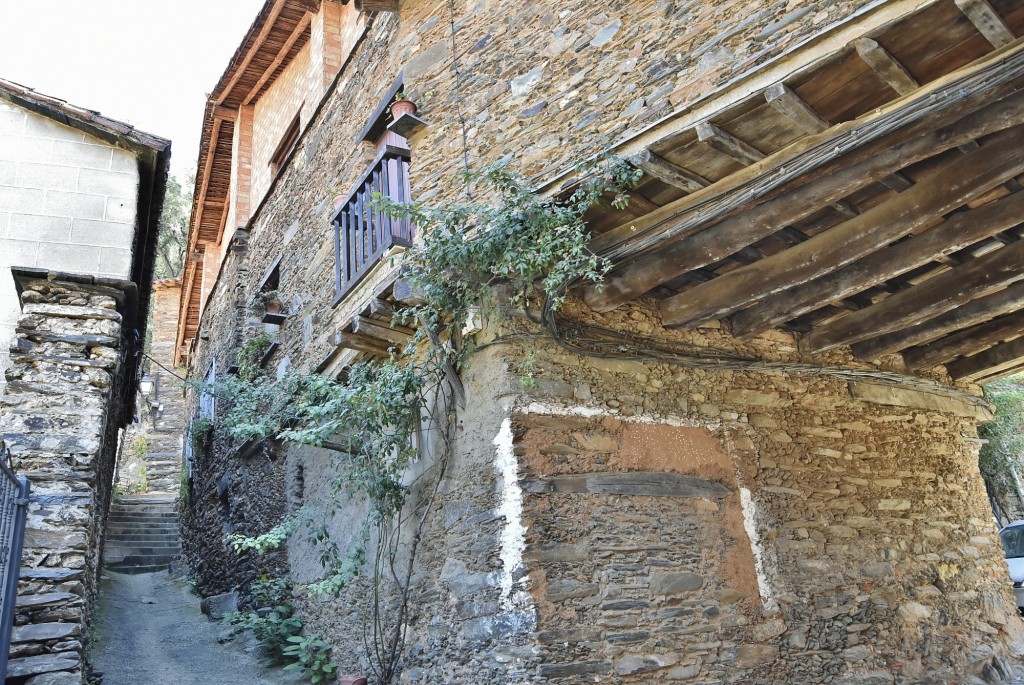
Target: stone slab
645 483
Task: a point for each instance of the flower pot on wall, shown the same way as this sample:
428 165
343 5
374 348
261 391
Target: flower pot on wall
400 108
351 680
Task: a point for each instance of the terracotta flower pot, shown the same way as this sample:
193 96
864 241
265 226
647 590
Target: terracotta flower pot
400 107
272 307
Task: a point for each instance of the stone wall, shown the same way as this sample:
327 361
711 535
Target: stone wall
812 527
629 521
59 419
227 490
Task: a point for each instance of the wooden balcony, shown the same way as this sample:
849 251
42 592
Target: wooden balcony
363 235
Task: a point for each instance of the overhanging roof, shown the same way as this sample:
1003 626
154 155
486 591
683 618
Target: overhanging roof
280 30
872 199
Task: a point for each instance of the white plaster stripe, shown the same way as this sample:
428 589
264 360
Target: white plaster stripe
749 524
513 537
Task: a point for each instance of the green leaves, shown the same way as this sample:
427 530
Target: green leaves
514 236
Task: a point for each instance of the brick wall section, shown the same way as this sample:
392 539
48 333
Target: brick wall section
67 202
63 384
296 91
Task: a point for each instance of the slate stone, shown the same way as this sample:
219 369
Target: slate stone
44 663
579 668
216 606
675 583
62 678
606 34
42 632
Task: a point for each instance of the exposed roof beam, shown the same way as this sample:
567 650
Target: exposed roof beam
718 241
991 360
966 342
672 174
886 66
275 12
915 305
959 231
974 312
955 183
640 203
727 144
792 106
1002 372
282 54
987 21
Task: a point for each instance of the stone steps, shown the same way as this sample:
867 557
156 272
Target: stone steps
142 534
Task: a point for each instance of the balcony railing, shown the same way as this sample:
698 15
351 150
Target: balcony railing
362 233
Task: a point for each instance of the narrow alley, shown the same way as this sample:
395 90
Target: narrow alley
149 630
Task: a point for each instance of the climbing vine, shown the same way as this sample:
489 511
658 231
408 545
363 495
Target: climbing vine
375 420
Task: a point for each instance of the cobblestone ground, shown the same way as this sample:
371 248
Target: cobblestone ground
149 631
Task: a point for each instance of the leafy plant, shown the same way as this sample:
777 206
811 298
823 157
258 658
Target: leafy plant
273 621
514 236
199 433
312 657
140 446
259 303
251 354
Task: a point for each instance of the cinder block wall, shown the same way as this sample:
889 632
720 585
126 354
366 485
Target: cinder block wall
67 203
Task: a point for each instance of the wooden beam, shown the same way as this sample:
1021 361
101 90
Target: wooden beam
640 203
390 335
361 343
792 106
959 231
966 342
727 144
1004 371
991 360
915 305
282 54
987 21
275 12
718 241
886 66
953 184
974 312
379 307
672 174
985 81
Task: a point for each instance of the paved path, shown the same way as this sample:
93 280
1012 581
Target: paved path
149 631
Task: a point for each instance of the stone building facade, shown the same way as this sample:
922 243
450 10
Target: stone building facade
788 517
80 198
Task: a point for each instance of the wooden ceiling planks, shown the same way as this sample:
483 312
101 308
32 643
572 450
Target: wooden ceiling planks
695 265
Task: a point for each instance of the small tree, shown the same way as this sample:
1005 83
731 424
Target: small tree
173 235
1000 458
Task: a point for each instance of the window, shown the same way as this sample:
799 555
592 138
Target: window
284 148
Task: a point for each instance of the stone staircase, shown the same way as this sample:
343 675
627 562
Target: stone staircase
142 534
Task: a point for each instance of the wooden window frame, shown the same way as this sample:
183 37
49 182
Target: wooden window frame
286 145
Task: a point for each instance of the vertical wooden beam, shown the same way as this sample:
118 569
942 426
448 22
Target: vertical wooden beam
886 66
987 21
